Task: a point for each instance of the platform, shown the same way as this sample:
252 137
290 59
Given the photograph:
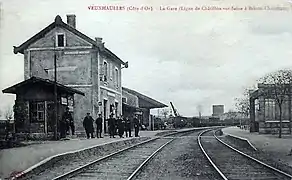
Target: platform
279 148
16 160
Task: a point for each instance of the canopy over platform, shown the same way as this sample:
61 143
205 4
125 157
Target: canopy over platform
129 107
145 101
36 81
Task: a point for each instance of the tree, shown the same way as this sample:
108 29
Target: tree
277 86
231 114
8 113
243 105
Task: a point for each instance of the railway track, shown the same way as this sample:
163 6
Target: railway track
232 164
123 164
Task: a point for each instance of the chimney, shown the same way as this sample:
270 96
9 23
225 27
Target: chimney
99 42
71 20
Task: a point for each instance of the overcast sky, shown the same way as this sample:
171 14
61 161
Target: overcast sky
189 58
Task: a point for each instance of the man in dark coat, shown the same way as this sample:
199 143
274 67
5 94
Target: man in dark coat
69 121
98 123
88 125
121 127
63 125
136 123
128 127
111 125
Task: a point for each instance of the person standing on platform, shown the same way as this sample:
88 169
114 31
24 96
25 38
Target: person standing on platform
121 127
136 125
98 123
116 125
111 124
128 125
63 124
88 126
69 121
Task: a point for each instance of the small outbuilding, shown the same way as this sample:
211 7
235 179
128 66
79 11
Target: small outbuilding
34 109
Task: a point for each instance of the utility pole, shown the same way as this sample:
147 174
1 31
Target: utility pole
55 95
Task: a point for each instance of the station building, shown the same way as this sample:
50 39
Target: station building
88 73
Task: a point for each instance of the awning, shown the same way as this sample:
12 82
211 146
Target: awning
145 101
127 106
43 82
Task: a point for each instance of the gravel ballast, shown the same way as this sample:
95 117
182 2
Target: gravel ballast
181 159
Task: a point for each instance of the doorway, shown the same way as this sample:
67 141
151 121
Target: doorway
116 109
105 115
50 117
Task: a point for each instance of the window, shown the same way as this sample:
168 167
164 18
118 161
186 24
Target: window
272 111
37 111
60 40
111 71
270 106
105 71
117 77
285 111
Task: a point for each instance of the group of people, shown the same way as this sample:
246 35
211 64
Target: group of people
116 126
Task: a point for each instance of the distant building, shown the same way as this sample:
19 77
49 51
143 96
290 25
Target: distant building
218 110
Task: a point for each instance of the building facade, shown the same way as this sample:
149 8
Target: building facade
82 63
265 112
140 104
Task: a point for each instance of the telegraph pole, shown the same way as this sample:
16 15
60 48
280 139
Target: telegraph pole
55 95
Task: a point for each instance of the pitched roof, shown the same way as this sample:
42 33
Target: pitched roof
156 104
59 23
46 82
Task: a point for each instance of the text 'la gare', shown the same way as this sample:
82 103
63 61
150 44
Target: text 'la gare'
180 8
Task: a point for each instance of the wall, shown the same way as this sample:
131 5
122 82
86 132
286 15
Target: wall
131 99
78 67
108 89
74 63
82 105
273 128
111 80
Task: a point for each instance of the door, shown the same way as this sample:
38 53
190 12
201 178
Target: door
105 115
50 117
116 109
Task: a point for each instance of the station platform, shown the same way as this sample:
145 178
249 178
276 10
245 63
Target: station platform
278 148
18 159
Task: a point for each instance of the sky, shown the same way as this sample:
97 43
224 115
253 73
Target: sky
195 58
